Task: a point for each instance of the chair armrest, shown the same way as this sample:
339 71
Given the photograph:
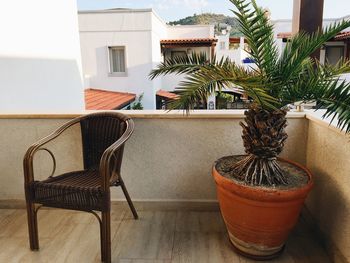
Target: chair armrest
109 153
29 155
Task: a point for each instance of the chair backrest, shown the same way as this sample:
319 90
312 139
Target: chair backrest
99 131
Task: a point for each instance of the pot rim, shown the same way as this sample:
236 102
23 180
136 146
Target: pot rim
264 193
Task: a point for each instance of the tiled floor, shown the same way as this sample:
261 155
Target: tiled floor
158 236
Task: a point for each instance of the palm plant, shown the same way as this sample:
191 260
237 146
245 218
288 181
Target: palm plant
279 79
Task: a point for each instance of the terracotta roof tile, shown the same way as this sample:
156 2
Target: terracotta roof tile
284 35
342 35
167 94
188 41
236 40
96 99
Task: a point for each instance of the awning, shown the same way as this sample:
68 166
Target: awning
236 40
190 42
96 99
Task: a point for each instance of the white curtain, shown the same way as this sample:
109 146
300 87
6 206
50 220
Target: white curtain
117 59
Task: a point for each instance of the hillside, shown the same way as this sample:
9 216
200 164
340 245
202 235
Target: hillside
210 19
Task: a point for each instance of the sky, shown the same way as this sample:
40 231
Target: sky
171 10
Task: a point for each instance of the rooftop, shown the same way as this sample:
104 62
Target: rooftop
340 36
96 99
189 41
167 94
117 10
343 35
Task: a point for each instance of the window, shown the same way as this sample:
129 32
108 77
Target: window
334 54
234 46
117 64
222 45
180 54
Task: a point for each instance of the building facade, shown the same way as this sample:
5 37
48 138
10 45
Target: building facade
40 60
120 47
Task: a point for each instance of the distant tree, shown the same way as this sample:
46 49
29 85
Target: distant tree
137 105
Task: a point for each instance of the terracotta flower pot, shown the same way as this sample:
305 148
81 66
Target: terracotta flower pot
259 220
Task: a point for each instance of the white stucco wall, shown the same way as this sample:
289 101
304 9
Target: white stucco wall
234 55
190 31
133 30
285 25
40 62
115 20
140 32
159 32
94 49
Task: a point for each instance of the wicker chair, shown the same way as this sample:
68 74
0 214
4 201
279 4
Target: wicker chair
103 138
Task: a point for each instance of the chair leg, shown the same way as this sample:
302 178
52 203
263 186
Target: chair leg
32 226
127 196
106 237
102 243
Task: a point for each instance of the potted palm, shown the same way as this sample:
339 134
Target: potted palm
260 194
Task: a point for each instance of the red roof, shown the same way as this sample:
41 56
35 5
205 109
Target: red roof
189 41
284 35
167 94
342 35
96 99
236 40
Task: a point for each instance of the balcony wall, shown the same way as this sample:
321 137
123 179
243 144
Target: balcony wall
328 157
169 157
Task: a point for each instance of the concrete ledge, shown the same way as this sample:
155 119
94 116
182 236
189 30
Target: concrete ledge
150 114
317 118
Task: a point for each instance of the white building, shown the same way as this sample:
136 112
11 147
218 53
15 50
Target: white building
120 47
40 62
332 51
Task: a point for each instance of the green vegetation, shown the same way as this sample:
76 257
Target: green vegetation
137 105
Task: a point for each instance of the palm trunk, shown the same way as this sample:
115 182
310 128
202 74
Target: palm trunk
263 137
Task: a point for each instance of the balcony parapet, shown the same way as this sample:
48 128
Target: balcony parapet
148 114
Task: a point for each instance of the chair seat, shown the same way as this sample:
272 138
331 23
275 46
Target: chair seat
79 189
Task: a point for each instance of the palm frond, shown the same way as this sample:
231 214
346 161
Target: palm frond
181 64
200 84
322 83
331 71
258 32
313 79
335 98
301 47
